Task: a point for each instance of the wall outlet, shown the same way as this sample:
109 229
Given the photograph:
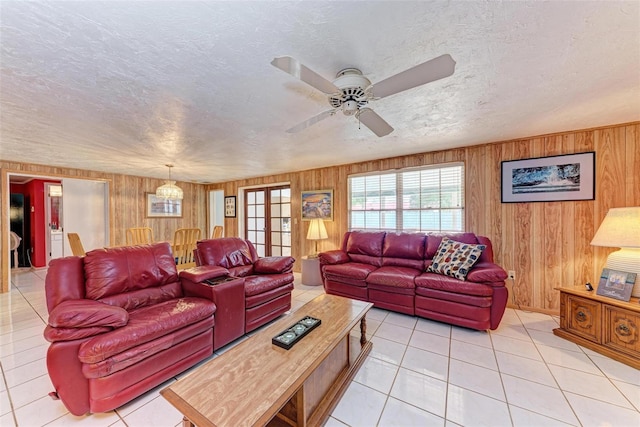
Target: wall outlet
511 275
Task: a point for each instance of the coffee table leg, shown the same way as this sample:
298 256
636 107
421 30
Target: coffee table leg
363 331
187 423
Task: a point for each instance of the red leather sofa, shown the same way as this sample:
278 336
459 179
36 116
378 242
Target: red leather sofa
119 325
268 281
389 269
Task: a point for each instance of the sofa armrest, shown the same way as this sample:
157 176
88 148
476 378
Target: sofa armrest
487 273
204 272
52 334
273 265
86 313
333 257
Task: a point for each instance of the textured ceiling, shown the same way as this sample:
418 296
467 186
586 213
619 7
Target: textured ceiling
128 87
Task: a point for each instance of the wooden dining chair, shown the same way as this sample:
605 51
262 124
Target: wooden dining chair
76 245
184 243
217 232
139 235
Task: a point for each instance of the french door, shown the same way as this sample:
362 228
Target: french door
268 220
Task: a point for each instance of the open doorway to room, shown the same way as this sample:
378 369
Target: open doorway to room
47 216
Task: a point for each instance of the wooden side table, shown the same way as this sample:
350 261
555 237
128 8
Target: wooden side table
311 275
605 325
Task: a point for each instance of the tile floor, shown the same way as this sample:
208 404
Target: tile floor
419 373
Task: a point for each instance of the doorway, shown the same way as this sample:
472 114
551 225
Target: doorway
267 213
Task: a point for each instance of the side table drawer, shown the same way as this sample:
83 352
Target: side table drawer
622 330
583 317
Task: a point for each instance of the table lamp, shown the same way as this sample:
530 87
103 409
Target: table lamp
316 232
621 229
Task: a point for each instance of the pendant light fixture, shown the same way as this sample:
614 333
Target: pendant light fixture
169 190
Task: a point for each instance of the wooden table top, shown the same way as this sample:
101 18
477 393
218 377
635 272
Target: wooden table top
249 383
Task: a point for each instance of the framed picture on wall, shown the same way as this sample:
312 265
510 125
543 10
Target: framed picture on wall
548 179
317 204
157 207
230 207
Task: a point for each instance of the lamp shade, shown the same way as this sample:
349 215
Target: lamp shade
619 229
317 230
169 190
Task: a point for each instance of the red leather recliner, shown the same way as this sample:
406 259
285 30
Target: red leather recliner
389 269
119 325
268 281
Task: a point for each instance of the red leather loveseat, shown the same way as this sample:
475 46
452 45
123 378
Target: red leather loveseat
119 325
390 270
268 281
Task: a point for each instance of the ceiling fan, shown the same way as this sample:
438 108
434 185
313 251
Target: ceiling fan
350 92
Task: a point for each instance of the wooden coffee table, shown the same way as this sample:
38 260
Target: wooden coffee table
257 383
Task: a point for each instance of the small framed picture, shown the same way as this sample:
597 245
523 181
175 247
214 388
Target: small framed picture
230 207
616 284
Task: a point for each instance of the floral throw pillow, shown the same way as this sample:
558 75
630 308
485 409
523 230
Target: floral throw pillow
455 258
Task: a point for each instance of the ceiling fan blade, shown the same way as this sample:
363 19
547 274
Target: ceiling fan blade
296 69
374 122
435 69
312 121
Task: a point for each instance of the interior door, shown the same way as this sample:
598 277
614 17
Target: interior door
268 220
86 212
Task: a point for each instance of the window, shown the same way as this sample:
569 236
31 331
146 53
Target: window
429 198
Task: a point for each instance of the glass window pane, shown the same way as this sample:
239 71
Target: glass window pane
260 237
260 197
275 210
251 211
275 224
260 250
251 223
251 198
251 236
411 220
286 210
286 224
286 239
357 221
260 210
276 251
275 196
430 220
260 224
286 195
286 251
275 238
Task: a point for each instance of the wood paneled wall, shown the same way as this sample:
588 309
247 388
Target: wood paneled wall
547 244
127 203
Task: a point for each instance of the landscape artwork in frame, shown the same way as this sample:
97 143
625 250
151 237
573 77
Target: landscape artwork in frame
616 284
317 204
548 179
157 207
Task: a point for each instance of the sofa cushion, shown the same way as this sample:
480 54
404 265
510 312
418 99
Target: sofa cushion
455 258
83 313
393 277
365 247
227 252
254 285
146 324
449 284
125 269
350 271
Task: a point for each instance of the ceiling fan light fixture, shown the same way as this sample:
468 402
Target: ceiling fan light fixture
169 190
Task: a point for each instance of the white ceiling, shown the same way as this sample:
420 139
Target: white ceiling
127 87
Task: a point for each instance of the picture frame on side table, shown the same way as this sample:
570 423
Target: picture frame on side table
549 179
230 207
616 284
157 207
317 204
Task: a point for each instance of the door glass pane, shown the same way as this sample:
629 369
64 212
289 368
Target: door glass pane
260 237
260 197
275 210
275 239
